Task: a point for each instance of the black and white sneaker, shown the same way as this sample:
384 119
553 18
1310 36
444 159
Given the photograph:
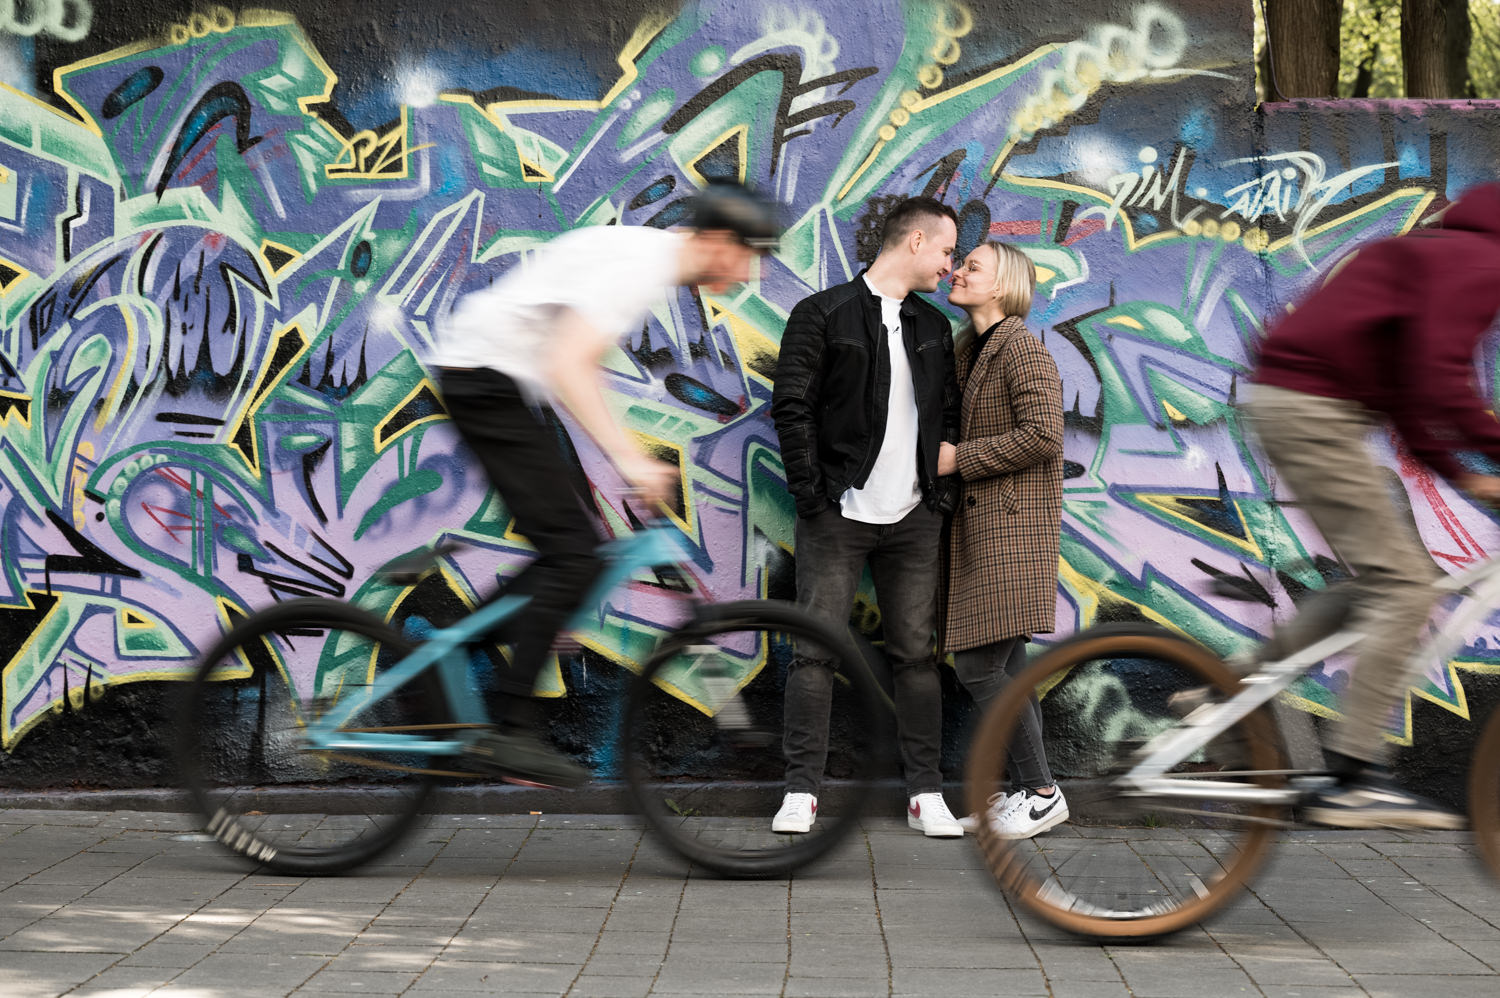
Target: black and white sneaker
1369 799
1027 813
518 756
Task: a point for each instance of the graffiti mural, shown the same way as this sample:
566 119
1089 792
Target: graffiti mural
219 288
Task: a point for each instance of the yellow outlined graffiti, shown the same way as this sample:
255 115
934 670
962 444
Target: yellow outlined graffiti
382 441
741 136
242 435
377 157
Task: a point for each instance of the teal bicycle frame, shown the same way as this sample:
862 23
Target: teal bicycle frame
445 649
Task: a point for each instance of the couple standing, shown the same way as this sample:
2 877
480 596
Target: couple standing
887 427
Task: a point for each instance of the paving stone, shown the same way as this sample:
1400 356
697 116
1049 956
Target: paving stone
632 940
170 955
956 982
1423 985
1412 955
130 978
730 951
379 956
1068 987
529 948
361 981
623 964
1170 979
1405 914
49 974
259 971
798 986
721 979
447 976
611 986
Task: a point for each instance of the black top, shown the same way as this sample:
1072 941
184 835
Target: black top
979 341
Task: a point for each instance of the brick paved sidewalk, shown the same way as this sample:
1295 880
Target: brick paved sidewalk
122 904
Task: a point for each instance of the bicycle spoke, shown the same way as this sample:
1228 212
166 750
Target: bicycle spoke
703 741
1132 860
263 783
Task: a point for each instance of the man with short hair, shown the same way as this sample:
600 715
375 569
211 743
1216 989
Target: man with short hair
538 337
865 394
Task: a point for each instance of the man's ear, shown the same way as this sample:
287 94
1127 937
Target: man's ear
914 240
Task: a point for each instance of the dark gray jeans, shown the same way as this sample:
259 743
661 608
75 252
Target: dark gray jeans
832 552
984 671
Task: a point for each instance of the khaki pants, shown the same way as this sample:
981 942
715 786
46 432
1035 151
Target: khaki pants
1317 447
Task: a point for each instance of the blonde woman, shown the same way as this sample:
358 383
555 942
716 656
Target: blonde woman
1002 553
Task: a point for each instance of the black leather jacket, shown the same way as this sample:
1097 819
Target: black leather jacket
833 384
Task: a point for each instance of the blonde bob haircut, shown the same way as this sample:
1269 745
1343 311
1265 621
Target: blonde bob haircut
1016 274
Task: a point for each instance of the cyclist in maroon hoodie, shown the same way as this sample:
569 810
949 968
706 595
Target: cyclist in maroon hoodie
1390 337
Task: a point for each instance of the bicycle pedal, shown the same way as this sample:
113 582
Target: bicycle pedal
1308 784
750 739
1185 703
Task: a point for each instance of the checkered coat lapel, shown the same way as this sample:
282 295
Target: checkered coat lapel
1003 543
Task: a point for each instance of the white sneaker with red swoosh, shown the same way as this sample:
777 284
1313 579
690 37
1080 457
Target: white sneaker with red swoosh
929 814
797 814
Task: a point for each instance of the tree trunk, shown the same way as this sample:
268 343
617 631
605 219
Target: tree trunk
1304 42
1435 37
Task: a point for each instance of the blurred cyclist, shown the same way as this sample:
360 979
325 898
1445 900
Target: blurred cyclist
1391 336
536 338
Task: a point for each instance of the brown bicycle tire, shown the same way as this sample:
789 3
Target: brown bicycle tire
986 765
1484 795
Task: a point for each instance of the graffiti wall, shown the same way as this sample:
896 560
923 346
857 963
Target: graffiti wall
228 237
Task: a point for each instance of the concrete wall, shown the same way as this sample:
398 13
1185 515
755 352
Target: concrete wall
227 236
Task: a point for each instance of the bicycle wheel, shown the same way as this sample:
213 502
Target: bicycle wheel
702 739
1484 794
262 790
1126 865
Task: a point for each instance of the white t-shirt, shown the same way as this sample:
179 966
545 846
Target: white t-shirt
892 489
611 275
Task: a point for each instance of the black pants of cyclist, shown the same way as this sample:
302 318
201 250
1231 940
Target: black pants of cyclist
528 462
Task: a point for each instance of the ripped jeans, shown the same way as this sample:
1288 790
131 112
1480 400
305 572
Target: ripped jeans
832 552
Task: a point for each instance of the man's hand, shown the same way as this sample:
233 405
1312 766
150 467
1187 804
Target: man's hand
655 479
947 459
1485 488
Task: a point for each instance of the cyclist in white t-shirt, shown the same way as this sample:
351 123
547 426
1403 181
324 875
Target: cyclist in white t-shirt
538 338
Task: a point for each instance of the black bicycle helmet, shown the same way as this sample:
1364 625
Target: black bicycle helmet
723 204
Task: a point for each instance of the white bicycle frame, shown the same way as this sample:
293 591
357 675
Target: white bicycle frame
1480 584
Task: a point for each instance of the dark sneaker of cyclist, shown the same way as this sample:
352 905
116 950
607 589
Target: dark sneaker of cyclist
538 338
1367 797
1389 340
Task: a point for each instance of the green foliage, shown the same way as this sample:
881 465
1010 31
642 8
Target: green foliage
1370 40
1484 49
1370 47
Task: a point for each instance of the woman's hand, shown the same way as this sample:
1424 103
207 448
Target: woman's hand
947 459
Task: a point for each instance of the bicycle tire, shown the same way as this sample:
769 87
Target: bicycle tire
264 796
1100 875
723 823
1484 795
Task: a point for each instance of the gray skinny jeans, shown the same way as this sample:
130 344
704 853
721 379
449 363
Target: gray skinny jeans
984 671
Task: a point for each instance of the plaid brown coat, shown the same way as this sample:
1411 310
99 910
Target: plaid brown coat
1003 545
